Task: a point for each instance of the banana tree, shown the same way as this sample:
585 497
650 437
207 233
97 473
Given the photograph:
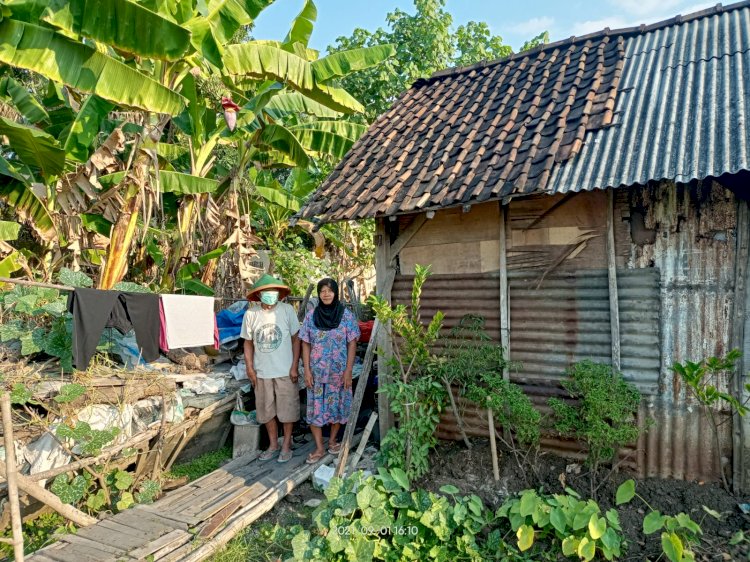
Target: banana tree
129 104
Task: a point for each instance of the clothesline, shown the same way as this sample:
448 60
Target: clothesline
27 283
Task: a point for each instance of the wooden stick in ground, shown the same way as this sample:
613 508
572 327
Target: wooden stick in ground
46 497
357 399
363 442
493 445
10 476
303 305
459 419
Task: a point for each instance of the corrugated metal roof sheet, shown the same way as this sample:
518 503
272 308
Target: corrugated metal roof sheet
682 110
542 121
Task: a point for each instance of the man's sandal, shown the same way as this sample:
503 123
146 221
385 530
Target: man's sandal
285 456
268 454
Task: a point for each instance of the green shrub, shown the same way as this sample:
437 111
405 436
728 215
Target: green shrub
604 413
379 518
563 523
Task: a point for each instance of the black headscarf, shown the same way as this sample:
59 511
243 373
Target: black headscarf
328 316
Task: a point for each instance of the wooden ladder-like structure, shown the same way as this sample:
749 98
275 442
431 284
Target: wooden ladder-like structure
190 523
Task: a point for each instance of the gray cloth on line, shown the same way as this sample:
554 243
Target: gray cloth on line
94 310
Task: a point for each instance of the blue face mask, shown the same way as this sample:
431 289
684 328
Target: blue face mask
269 298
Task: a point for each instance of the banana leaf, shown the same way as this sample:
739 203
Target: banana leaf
302 26
177 10
283 140
266 61
34 147
210 33
341 64
10 170
288 103
96 223
277 196
10 264
9 230
328 137
29 208
82 67
185 184
86 127
26 10
26 104
123 24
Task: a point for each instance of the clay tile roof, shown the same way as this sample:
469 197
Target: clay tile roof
668 100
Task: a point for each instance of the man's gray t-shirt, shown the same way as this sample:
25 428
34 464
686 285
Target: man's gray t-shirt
271 332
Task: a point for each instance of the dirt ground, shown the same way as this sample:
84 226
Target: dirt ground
471 472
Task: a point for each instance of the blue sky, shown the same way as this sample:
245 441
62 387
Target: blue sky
514 21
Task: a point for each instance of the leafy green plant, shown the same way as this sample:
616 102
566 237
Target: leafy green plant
680 534
475 363
38 533
564 521
703 380
89 441
416 397
201 465
603 416
380 518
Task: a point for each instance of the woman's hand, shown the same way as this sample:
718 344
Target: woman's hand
308 379
347 379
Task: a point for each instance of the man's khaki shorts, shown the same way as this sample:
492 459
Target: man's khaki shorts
276 398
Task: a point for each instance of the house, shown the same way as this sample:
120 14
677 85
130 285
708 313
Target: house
589 198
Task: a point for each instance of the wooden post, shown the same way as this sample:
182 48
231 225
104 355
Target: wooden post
385 273
303 305
346 443
614 307
741 425
504 297
459 419
10 476
493 445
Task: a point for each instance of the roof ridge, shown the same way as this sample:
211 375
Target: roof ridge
642 28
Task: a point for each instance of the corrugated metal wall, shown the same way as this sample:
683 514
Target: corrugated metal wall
676 300
565 319
695 251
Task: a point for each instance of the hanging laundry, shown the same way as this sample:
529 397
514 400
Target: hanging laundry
229 321
187 321
94 310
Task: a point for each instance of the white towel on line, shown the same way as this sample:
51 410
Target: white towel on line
188 320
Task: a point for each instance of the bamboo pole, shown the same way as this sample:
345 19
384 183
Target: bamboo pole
10 476
36 491
357 399
493 445
363 442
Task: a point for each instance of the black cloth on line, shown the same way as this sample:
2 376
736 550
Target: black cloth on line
94 310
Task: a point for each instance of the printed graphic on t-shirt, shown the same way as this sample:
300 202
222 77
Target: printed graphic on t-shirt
267 338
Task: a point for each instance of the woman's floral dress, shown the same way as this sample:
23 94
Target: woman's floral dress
328 401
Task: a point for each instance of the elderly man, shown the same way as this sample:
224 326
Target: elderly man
271 355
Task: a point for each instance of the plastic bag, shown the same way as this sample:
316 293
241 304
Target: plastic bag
240 416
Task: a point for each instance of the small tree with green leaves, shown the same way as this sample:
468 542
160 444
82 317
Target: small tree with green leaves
476 364
416 398
602 415
702 381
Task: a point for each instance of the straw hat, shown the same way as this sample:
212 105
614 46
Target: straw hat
267 283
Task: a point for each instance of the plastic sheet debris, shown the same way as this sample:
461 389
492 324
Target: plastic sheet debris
205 385
239 371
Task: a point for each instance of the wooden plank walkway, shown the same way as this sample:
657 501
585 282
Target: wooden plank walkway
170 529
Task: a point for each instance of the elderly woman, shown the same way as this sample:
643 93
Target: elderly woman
329 343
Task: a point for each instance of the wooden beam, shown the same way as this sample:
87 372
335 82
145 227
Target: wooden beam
11 474
36 491
385 274
303 305
614 307
405 237
362 442
741 425
504 296
357 399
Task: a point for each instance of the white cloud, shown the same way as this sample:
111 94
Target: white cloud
534 26
645 8
640 11
589 26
